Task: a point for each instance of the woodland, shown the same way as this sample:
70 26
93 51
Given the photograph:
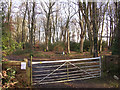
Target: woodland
58 29
67 26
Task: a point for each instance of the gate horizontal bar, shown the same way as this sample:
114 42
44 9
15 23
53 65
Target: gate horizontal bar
75 64
64 69
45 66
96 72
70 60
34 83
82 67
93 70
71 77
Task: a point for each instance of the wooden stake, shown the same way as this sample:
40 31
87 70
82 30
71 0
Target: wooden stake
31 70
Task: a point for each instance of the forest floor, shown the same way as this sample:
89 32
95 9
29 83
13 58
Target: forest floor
108 82
41 55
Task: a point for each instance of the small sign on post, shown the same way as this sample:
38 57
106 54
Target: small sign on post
23 65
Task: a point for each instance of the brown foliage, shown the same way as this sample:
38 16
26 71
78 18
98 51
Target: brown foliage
58 48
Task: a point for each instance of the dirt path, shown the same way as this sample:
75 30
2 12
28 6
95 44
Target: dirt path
90 83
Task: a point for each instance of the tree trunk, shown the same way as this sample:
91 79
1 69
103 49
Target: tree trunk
50 32
32 25
61 34
81 44
53 38
39 35
48 25
46 40
89 23
34 33
23 26
100 48
3 16
9 13
65 30
78 32
107 30
111 30
29 24
68 42
57 36
64 36
56 20
95 29
101 35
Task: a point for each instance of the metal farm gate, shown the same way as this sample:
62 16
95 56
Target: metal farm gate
46 72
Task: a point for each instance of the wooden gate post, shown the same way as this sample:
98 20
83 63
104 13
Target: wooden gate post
31 70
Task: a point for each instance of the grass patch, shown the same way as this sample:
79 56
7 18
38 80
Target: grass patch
113 84
21 52
41 55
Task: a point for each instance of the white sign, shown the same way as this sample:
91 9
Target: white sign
23 65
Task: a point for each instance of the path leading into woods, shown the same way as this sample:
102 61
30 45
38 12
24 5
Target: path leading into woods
40 55
90 83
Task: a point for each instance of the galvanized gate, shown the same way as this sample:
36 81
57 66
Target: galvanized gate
45 72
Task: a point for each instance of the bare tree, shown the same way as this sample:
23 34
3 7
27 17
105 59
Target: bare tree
23 25
103 18
95 29
29 23
82 25
18 29
88 21
55 23
66 27
9 17
32 24
48 15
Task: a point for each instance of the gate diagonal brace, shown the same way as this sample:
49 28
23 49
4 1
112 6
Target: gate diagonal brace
51 72
80 69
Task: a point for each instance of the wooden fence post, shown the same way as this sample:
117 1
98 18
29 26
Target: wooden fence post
31 70
27 71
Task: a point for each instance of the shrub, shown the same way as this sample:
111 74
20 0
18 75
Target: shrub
42 46
51 46
116 46
86 45
74 46
21 52
27 45
8 50
104 45
8 78
58 46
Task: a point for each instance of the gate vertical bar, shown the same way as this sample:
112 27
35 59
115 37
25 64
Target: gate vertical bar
100 66
67 71
31 70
